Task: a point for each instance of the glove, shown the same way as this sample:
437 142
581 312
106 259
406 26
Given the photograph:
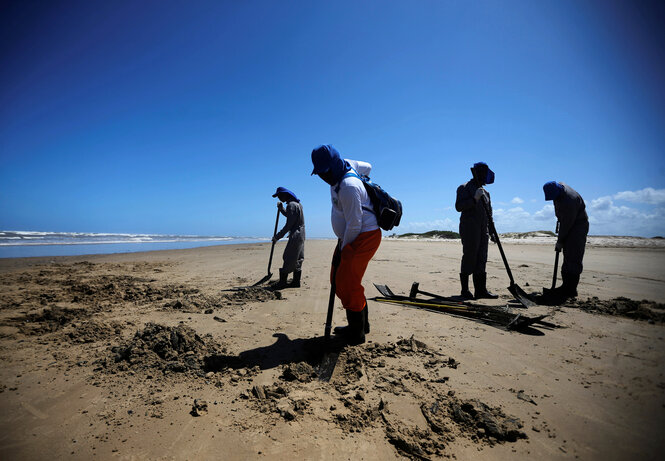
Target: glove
480 193
558 246
280 206
275 239
492 238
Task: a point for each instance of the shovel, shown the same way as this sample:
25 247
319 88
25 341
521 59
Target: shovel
272 249
519 294
550 291
331 299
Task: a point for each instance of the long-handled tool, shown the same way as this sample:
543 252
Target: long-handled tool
519 294
272 249
549 291
337 256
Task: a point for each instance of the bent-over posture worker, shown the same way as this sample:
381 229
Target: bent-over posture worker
294 253
570 211
355 225
473 228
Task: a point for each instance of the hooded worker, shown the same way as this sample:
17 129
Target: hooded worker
294 253
473 228
573 227
356 227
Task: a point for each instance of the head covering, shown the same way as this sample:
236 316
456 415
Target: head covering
326 159
285 191
482 173
552 190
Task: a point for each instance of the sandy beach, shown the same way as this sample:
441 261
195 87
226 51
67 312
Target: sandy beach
155 356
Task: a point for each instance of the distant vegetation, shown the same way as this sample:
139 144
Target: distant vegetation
438 234
523 235
435 234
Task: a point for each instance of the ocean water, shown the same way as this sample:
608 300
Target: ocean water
20 244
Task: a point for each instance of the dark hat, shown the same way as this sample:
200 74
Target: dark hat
284 190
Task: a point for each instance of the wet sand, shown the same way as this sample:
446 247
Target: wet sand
145 356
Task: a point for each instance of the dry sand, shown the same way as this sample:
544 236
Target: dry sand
143 356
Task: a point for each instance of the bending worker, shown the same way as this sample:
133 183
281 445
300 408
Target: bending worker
473 228
570 211
355 225
294 253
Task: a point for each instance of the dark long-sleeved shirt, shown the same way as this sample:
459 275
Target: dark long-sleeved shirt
295 219
471 210
570 210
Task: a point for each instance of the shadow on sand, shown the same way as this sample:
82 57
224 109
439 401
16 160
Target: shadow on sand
315 351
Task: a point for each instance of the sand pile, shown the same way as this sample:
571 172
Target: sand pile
178 349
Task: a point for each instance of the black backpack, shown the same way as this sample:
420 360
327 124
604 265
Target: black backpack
387 209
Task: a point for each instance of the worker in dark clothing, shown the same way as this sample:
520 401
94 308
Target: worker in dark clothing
570 211
294 253
473 228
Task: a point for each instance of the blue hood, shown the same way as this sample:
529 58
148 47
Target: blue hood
552 190
284 190
327 161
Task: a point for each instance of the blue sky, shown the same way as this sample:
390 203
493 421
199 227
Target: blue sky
183 117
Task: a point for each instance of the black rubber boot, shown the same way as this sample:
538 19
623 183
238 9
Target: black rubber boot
480 287
342 330
354 332
570 282
296 279
464 279
282 281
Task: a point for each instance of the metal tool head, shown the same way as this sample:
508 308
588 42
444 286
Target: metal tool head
414 290
521 295
263 280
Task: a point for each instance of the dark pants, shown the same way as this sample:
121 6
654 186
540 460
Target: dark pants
573 249
294 253
474 247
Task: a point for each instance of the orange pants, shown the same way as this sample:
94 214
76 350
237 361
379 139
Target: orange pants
355 257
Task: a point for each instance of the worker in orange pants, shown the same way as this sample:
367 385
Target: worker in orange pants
354 223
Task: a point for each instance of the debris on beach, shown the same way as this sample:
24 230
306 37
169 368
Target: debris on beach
650 311
48 320
245 295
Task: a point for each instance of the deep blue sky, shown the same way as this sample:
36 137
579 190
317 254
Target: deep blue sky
183 117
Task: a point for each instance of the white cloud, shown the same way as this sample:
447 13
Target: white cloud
517 201
648 195
424 226
518 219
607 218
546 213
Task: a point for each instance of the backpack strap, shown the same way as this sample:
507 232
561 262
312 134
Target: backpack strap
353 173
349 174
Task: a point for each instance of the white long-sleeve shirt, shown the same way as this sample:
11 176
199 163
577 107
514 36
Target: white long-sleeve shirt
352 211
